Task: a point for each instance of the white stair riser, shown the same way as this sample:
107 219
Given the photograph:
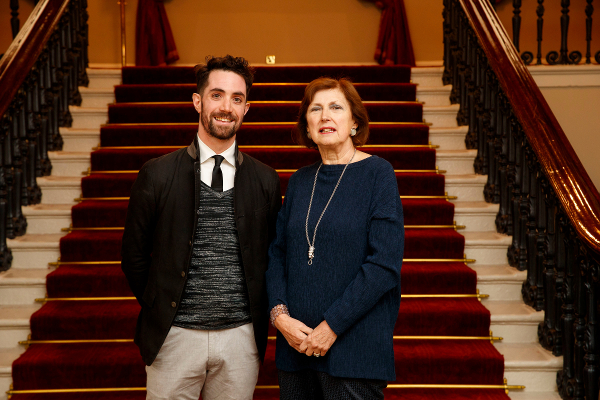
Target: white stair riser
486 254
81 143
11 335
542 380
21 294
516 332
466 192
103 79
503 291
5 382
427 79
88 117
60 195
440 118
477 222
97 99
459 165
434 98
448 141
72 167
47 224
34 257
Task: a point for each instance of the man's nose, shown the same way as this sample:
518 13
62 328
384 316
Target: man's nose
226 105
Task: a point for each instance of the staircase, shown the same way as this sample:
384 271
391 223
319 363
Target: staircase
525 362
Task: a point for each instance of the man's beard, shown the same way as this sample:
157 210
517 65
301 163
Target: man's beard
222 133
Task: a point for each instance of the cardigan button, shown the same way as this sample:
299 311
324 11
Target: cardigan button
190 243
183 274
173 304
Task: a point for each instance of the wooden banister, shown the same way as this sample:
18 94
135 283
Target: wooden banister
25 50
560 163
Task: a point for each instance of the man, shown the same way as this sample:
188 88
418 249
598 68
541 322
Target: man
195 245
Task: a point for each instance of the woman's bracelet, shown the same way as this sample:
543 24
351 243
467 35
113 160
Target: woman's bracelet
277 311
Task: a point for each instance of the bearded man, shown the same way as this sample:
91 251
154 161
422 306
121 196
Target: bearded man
198 228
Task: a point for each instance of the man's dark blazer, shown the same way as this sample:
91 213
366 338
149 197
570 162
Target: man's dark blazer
159 232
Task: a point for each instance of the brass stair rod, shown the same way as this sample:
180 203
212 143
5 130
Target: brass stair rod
123 36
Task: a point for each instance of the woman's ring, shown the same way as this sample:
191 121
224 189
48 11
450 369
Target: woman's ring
317 354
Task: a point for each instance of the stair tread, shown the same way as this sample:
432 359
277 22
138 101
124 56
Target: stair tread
466 178
69 155
512 311
528 395
474 238
24 276
458 130
58 180
462 207
58 210
45 240
456 153
498 273
528 355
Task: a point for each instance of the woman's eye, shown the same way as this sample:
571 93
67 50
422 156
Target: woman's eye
336 107
314 109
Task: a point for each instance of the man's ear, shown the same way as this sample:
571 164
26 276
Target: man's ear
247 107
197 100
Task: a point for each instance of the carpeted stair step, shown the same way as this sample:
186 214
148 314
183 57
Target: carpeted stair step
119 184
265 91
97 365
258 112
85 319
98 213
254 134
403 158
90 280
273 394
115 319
106 245
265 74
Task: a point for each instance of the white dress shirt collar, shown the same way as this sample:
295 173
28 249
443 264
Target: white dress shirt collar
206 152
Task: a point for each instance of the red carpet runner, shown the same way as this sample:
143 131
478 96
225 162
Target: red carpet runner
154 109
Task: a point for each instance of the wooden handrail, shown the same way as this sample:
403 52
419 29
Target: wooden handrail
27 47
562 167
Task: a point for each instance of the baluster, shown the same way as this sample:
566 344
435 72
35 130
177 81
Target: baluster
492 168
589 10
474 102
83 38
447 29
564 57
14 21
591 358
65 90
32 193
46 103
5 253
482 161
57 77
516 23
513 250
564 377
540 29
502 186
18 126
575 387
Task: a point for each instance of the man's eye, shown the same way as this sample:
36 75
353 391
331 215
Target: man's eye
216 95
238 100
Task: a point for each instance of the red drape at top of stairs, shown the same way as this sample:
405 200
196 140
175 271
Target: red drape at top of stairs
393 44
94 254
154 42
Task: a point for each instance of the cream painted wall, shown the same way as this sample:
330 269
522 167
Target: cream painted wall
578 113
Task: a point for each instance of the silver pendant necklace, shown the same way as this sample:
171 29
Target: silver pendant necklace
311 246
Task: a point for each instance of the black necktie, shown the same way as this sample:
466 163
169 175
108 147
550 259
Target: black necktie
217 175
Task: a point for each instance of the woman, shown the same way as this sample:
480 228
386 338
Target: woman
334 269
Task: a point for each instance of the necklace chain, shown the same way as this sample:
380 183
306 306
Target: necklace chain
311 246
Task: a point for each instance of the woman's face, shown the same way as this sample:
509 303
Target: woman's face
330 119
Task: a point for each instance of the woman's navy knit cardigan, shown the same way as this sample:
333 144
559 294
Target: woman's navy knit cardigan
354 281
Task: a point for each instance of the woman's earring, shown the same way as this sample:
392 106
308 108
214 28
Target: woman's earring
308 133
353 132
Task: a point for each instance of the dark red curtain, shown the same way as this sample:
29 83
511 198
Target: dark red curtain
154 42
393 45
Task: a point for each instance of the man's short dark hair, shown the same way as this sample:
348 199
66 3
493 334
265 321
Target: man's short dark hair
239 65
